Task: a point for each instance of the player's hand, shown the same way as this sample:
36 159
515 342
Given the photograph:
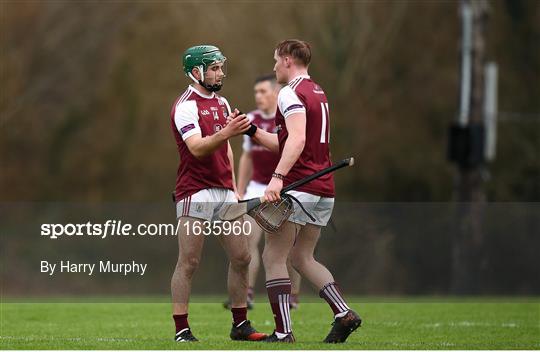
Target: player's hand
237 124
232 115
271 194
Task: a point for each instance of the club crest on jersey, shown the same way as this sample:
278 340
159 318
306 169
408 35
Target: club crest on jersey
216 116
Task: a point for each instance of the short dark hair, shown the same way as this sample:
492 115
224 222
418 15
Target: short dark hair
298 49
271 77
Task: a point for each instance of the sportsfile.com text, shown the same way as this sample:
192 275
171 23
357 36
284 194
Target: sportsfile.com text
120 228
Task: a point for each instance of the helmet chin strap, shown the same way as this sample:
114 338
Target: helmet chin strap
210 87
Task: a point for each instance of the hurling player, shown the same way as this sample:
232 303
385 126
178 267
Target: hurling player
303 122
204 183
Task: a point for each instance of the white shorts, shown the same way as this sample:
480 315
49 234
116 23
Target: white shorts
205 204
255 190
319 207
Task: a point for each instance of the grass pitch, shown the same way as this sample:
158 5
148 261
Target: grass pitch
479 323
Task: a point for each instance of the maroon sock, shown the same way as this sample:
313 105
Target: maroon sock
279 291
239 315
332 294
250 294
180 320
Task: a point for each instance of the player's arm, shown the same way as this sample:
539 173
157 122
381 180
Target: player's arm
294 145
267 139
201 147
294 112
245 171
245 168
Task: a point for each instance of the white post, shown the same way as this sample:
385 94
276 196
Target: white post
490 110
466 63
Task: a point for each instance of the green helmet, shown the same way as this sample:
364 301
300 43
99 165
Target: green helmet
201 55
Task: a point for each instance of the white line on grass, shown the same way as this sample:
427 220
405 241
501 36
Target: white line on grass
77 339
446 324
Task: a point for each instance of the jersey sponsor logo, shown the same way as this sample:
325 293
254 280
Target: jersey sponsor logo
293 107
217 128
205 112
187 128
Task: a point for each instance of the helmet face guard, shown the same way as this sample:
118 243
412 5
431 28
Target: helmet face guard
201 58
211 87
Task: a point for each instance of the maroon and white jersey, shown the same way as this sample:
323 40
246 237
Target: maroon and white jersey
193 113
304 95
264 160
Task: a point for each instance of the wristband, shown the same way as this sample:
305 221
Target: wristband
251 131
278 176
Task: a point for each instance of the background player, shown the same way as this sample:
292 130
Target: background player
255 171
303 124
204 183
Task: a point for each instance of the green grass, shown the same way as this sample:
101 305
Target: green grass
478 323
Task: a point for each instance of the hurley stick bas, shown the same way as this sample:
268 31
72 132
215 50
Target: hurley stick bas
233 211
